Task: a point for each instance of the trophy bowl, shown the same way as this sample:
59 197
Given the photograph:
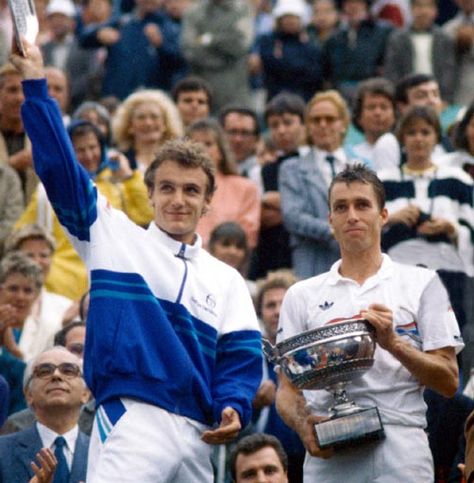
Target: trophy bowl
327 356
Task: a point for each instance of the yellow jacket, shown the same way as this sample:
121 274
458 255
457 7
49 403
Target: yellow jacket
68 275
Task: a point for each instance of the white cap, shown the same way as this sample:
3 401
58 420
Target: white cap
290 7
66 7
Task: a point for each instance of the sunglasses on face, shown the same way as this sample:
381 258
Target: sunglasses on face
68 369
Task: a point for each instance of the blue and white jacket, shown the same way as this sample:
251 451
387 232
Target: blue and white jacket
168 324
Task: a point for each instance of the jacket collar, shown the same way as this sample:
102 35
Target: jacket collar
179 249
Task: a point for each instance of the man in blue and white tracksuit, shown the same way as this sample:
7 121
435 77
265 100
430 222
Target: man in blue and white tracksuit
172 353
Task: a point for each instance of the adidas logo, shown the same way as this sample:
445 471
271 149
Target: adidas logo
326 305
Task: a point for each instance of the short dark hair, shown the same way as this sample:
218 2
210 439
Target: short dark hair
60 336
377 86
228 232
409 82
362 174
425 113
253 443
186 154
243 111
460 137
285 103
192 84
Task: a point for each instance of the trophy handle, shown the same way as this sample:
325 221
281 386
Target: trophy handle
270 351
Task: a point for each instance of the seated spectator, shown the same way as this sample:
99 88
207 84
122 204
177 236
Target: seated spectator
49 308
356 51
144 121
423 48
242 131
123 187
98 115
259 457
284 116
55 390
236 198
412 90
228 243
430 208
304 183
268 300
72 336
463 156
373 113
11 201
324 22
193 99
289 61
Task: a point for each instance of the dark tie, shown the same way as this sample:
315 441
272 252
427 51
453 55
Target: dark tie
331 159
61 475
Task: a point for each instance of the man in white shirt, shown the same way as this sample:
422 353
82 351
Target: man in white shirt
415 330
56 391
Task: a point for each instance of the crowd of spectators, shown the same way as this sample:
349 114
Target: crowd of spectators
282 94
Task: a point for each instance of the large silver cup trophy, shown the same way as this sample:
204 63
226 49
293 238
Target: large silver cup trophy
330 357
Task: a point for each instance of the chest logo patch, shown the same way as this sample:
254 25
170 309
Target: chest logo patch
326 305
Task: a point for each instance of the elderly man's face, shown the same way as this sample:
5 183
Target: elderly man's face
56 382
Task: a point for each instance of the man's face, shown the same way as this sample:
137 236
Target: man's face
60 25
11 98
88 151
75 340
426 94
57 87
19 292
263 466
355 217
240 130
286 131
270 310
377 116
192 106
325 15
176 8
424 13
290 24
58 390
179 199
40 251
325 126
355 10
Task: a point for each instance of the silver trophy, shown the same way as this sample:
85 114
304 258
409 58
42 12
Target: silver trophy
330 357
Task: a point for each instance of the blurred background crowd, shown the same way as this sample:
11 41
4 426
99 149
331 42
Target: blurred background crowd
282 94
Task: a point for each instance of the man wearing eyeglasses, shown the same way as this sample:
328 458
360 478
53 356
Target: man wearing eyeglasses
55 391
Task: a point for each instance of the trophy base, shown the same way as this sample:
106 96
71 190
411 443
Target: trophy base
353 429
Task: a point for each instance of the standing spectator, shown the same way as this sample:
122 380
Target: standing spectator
461 30
15 148
55 390
143 123
289 61
356 51
284 116
423 48
373 114
304 184
11 201
324 22
268 300
193 98
132 41
236 198
242 131
216 38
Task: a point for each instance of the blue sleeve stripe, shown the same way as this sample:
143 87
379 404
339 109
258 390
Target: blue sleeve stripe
190 333
120 283
209 337
251 350
122 295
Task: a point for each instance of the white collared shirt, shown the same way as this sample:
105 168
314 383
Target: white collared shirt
48 436
340 161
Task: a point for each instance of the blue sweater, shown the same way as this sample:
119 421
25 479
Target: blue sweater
168 324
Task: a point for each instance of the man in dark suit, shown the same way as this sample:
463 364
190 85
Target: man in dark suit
55 390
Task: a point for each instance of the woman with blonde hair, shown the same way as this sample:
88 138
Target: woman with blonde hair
144 121
236 198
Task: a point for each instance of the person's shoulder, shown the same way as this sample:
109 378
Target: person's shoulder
8 440
308 285
456 172
413 275
389 174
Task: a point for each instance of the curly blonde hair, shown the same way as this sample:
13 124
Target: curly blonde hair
123 117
